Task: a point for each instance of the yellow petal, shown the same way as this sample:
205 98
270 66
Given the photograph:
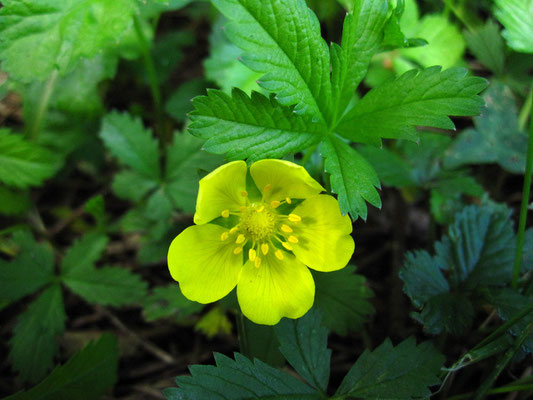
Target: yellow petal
324 241
221 190
275 289
204 266
285 178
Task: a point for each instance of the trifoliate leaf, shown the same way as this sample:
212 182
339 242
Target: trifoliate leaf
34 345
239 379
497 137
128 140
424 98
477 252
402 372
361 39
486 44
253 128
304 344
343 298
13 202
352 177
39 37
285 43
86 376
24 163
84 253
517 18
130 185
32 269
166 302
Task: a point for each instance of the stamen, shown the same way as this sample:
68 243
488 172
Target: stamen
267 187
275 203
244 193
286 228
224 236
257 262
293 239
233 230
252 254
279 254
261 208
264 248
294 218
237 250
225 213
288 200
241 239
286 245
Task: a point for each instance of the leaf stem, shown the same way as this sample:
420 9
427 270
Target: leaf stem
501 389
242 335
33 130
523 207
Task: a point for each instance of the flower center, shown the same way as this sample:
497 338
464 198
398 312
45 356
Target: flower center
258 221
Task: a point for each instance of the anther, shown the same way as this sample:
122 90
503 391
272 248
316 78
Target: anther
225 213
267 187
241 238
264 248
224 236
279 254
286 228
288 200
293 239
244 193
257 262
286 245
237 250
252 254
261 208
275 203
233 230
294 218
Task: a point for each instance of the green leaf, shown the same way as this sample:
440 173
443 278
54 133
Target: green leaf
179 104
39 37
260 341
352 177
304 344
361 38
34 345
13 202
24 163
239 379
517 18
424 98
87 375
32 269
128 140
253 128
486 44
477 252
286 44
343 298
84 253
130 185
497 137
185 158
402 372
166 302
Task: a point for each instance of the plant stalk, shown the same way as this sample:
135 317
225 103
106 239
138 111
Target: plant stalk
34 129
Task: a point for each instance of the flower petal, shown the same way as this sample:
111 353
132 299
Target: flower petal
285 178
203 264
221 190
324 241
276 289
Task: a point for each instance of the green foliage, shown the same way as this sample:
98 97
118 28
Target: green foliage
388 372
87 375
168 302
497 137
478 252
517 18
486 44
13 202
343 298
39 38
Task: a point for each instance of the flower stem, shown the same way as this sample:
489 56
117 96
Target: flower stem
523 207
242 335
33 130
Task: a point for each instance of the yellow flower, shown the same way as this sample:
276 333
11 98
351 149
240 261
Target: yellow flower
254 231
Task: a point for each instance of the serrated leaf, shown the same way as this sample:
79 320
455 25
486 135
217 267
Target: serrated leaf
352 177
24 163
113 286
87 375
402 372
128 140
33 345
38 37
497 137
517 18
32 269
84 253
487 46
477 252
361 38
168 301
179 103
260 342
130 185
285 43
239 379
253 128
304 342
343 298
13 202
424 98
